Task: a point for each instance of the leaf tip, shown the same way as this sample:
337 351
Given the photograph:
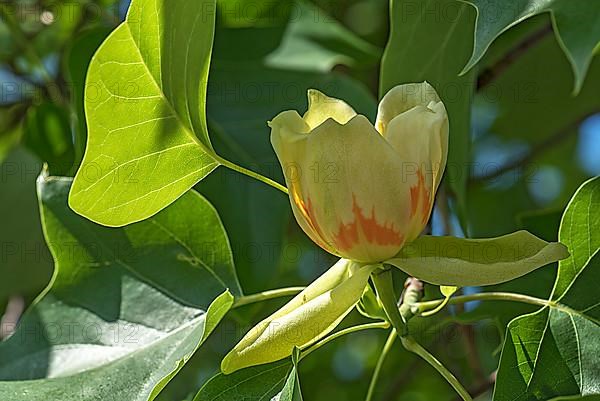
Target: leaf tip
562 252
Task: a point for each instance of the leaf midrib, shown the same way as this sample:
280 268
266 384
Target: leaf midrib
162 95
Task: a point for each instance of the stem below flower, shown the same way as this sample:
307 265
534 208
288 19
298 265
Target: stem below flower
411 345
386 349
384 285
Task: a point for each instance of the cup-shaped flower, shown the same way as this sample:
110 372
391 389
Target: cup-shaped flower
361 191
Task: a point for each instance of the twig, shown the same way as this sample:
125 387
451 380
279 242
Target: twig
411 345
541 147
492 73
12 315
403 377
473 359
481 388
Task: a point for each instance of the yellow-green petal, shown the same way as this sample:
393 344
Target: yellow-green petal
310 316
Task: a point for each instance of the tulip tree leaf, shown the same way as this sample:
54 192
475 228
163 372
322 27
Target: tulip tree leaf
314 41
461 262
47 133
580 231
20 274
80 55
291 391
11 128
256 383
518 100
576 26
127 307
145 105
593 397
425 46
554 352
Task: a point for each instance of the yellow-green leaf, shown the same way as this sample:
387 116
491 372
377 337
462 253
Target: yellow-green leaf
145 106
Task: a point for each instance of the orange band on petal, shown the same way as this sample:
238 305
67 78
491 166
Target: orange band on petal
309 216
420 198
375 233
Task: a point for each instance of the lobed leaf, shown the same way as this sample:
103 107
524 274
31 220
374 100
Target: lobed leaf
255 383
575 24
126 308
145 105
554 351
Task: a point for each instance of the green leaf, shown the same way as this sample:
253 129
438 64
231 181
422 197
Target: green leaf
576 26
147 137
127 307
256 383
370 306
25 262
10 127
553 352
78 58
580 231
291 391
47 133
593 397
426 46
7 43
519 98
464 262
315 41
299 35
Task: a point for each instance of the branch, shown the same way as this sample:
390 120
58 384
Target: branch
538 149
481 389
492 73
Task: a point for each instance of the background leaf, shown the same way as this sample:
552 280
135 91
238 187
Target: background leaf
515 128
25 261
127 307
552 352
291 391
259 382
47 132
575 26
315 41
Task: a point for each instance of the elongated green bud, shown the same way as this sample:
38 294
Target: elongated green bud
308 317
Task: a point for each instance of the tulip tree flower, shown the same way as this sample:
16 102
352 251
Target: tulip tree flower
379 197
365 192
361 191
